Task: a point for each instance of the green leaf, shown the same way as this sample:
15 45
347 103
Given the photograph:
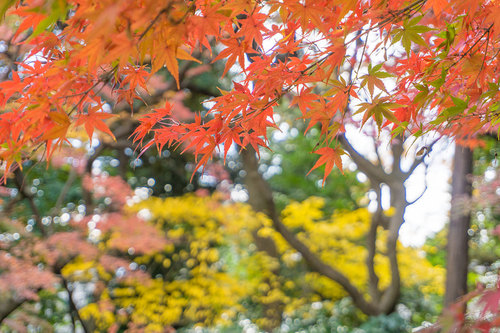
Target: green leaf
379 109
410 32
59 10
373 77
459 107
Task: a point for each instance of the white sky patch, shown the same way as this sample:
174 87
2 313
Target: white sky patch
430 213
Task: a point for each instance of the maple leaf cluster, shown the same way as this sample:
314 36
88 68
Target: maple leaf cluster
337 59
486 302
112 187
23 278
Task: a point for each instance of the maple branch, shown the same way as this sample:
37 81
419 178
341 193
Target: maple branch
104 78
165 11
397 150
371 241
408 11
87 195
399 203
153 22
419 160
361 58
150 99
387 299
486 32
7 306
372 171
67 186
72 305
395 16
425 186
261 199
379 159
485 53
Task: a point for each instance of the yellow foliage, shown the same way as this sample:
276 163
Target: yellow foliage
102 317
340 241
79 269
212 263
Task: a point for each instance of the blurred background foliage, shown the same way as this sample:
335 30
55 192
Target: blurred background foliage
182 256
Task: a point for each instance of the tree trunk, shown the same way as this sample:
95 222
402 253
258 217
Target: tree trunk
261 199
458 246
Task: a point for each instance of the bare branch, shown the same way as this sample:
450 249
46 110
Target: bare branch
397 150
72 305
379 159
261 200
67 186
419 160
425 185
372 171
371 240
9 305
398 201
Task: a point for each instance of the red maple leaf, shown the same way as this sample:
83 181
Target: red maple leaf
94 119
491 300
330 157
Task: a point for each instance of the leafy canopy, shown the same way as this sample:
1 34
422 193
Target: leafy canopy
419 65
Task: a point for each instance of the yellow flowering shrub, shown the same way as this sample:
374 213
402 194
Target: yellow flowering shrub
210 269
339 240
100 314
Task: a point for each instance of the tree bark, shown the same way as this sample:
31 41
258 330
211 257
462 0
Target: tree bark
9 305
261 200
381 301
458 246
72 306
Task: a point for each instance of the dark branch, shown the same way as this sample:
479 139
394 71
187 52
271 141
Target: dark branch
261 200
372 171
9 305
72 305
419 160
425 186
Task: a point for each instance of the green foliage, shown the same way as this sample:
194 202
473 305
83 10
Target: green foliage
53 308
420 307
343 317
288 166
435 248
485 216
392 323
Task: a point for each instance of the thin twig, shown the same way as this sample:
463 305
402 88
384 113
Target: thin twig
72 305
23 191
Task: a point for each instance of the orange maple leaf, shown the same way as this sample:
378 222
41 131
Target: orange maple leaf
437 6
94 119
236 50
330 157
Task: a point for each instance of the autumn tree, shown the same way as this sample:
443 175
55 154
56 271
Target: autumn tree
405 67
443 64
172 269
382 298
